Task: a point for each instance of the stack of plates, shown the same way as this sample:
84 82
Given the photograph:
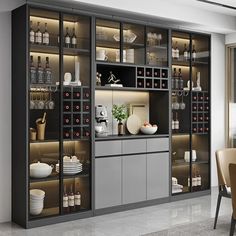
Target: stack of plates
70 166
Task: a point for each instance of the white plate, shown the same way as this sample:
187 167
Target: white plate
133 124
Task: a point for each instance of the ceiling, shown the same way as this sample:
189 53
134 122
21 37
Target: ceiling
224 6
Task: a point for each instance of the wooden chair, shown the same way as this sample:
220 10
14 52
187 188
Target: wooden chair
232 174
223 158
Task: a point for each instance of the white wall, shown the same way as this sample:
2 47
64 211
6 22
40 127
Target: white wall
217 100
5 116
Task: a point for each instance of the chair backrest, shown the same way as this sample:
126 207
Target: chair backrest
223 158
232 174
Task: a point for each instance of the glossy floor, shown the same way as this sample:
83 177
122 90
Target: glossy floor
133 222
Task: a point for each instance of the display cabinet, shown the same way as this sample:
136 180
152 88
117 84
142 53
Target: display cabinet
190 112
56 143
70 159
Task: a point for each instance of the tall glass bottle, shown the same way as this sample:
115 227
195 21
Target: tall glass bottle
46 36
38 34
31 33
47 72
74 39
33 77
67 38
181 82
40 72
77 199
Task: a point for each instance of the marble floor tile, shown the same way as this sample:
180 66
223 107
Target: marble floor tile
133 222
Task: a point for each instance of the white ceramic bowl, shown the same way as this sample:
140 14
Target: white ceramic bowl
148 130
37 194
32 207
40 170
36 211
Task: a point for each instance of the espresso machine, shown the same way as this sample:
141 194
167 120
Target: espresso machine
101 118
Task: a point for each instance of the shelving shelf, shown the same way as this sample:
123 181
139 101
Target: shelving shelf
128 89
47 212
184 163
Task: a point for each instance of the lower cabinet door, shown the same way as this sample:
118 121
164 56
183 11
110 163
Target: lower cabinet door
157 175
134 178
107 182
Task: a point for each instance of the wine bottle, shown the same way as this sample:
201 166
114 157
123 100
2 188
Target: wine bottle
67 38
46 35
77 200
173 123
74 39
176 122
194 54
194 180
199 181
176 50
173 52
65 201
176 80
48 72
173 79
33 77
31 33
71 199
40 72
185 52
38 34
181 82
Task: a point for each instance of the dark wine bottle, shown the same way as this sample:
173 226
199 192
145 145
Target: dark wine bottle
48 72
67 38
33 76
40 72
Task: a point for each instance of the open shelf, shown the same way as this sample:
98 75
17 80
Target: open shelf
184 163
47 212
53 176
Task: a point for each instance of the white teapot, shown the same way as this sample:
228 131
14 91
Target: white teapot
40 170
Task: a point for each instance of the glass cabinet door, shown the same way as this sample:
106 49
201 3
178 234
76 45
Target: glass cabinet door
181 115
107 40
44 113
157 47
200 59
133 44
75 161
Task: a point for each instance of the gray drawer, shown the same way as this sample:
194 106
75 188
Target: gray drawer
134 146
157 144
108 148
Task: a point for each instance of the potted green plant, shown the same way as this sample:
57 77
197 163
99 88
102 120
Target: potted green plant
119 112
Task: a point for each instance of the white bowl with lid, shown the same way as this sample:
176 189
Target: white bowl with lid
40 170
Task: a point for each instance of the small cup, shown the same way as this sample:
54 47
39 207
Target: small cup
40 129
67 77
33 134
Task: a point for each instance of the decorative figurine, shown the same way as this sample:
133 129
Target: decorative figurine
98 79
112 79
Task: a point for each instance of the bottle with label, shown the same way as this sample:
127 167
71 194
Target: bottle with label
173 123
40 72
67 38
176 80
199 181
194 180
77 200
47 72
173 51
33 77
185 52
74 40
46 35
194 53
176 51
173 79
38 35
65 201
71 198
181 82
31 33
176 122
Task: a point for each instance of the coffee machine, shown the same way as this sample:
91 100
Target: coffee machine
101 118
